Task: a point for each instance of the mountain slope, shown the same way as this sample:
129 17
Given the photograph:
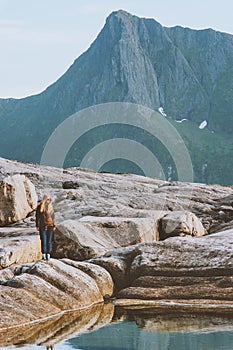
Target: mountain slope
187 72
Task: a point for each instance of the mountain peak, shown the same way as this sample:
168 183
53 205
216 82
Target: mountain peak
121 14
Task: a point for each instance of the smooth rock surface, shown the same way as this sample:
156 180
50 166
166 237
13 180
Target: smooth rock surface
177 268
90 237
19 246
42 289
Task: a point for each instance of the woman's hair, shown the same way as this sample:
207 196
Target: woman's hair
46 205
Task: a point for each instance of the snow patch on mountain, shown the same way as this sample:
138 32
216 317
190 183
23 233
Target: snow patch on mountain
203 124
181 121
161 111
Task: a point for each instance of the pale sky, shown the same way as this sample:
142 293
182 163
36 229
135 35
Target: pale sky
40 39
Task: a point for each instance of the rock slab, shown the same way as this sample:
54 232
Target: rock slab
90 236
42 289
178 268
18 198
19 246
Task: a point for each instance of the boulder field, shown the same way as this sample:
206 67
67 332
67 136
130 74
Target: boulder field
141 240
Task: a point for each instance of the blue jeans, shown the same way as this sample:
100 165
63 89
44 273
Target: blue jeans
46 236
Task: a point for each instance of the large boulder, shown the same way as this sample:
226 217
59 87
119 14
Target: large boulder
180 223
17 199
90 237
187 268
19 246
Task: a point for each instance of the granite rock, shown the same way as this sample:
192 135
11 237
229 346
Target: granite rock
18 198
42 289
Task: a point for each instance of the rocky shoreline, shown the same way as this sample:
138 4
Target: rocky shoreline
143 241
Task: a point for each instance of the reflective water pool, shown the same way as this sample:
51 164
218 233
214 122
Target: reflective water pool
134 330
128 336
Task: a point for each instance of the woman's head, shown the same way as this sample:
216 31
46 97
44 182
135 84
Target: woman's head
46 198
46 204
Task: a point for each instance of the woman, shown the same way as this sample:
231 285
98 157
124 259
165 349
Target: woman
45 224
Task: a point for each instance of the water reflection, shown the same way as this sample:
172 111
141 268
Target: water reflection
127 336
60 328
160 320
105 328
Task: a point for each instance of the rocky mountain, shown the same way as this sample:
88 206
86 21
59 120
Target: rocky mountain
184 74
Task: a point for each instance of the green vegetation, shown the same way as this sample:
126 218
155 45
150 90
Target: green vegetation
211 153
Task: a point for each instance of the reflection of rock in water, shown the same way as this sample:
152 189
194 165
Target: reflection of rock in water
121 336
57 329
154 320
128 336
179 323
